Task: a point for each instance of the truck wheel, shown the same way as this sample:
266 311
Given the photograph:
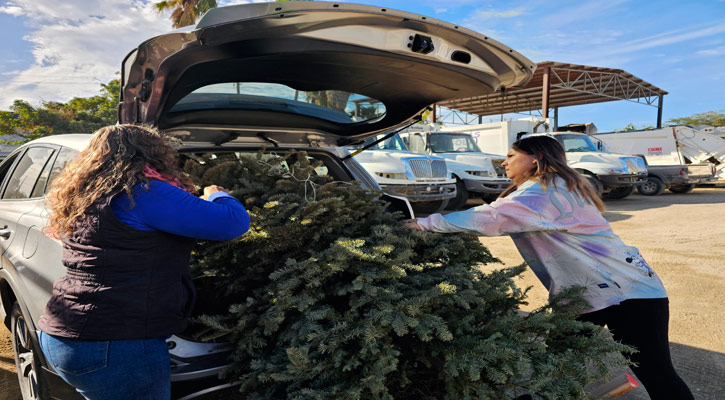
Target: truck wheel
620 192
594 182
682 188
428 207
461 198
27 357
652 187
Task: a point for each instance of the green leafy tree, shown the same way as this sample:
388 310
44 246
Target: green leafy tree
329 297
632 127
80 114
712 118
185 12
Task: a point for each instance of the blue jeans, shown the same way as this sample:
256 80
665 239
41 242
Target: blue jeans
110 370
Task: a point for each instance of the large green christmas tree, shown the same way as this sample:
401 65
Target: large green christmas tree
328 296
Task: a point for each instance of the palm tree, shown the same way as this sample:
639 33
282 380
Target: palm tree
185 12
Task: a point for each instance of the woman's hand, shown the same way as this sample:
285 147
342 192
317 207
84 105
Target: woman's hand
412 223
209 190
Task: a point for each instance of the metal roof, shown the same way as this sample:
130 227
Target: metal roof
569 85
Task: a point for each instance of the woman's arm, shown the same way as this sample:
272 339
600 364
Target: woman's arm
167 208
502 217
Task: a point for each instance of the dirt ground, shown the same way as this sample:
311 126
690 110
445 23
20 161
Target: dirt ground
680 235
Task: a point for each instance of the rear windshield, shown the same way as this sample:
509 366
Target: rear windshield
331 105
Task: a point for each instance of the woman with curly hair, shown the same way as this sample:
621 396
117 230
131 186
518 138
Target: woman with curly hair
555 219
127 220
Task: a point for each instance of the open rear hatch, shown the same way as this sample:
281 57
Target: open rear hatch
345 71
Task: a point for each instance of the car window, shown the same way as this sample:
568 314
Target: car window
26 173
5 167
39 188
65 156
331 105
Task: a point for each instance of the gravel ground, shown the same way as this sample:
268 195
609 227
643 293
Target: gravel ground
680 235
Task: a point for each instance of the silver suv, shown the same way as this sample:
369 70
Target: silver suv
298 75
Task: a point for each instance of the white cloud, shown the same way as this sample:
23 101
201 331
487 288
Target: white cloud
12 10
441 10
665 38
77 44
718 51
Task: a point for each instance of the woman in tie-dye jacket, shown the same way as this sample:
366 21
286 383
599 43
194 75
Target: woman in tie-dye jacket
555 220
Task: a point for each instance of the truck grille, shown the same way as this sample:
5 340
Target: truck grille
500 171
424 168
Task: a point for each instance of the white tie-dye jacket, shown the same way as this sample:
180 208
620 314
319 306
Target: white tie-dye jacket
565 240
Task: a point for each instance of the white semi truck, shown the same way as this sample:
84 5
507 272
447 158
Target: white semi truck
423 179
677 157
613 175
477 174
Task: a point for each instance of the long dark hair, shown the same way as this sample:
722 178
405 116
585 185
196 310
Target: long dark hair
550 163
115 159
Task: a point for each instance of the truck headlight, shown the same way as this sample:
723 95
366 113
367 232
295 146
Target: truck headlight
391 175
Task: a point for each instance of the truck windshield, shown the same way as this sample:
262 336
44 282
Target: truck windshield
392 143
452 143
576 142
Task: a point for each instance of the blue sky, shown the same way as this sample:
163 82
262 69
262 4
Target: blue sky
54 50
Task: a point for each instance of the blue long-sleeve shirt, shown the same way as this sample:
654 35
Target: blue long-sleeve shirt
165 207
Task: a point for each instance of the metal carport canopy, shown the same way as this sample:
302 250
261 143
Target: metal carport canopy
557 84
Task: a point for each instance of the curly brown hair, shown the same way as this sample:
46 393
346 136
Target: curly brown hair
114 160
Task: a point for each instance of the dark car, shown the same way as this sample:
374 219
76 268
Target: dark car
298 75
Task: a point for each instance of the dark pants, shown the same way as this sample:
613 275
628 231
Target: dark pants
643 324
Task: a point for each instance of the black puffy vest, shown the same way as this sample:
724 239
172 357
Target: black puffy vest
121 283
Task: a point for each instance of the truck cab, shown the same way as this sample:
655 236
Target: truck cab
613 175
477 174
422 179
